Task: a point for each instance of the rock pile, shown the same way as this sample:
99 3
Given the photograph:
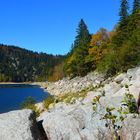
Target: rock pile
76 84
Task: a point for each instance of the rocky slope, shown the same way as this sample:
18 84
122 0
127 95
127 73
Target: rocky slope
77 120
113 87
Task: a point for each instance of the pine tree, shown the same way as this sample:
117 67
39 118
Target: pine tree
136 5
124 10
76 60
122 31
82 44
83 35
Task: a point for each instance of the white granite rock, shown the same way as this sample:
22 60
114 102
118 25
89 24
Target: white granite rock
60 125
19 125
120 93
131 129
125 82
73 122
111 88
120 77
134 89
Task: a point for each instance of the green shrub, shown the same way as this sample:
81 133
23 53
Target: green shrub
49 100
29 103
130 103
126 86
112 120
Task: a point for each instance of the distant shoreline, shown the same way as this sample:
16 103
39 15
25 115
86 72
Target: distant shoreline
14 83
24 83
40 84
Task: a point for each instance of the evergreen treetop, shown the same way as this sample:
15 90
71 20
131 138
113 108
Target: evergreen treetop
124 10
83 35
136 5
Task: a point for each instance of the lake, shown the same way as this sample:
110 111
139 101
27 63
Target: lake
12 95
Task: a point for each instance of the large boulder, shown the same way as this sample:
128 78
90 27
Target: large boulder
131 72
120 93
111 101
136 75
111 88
19 125
60 125
131 129
134 89
73 122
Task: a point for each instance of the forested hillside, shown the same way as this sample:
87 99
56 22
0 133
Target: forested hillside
21 65
105 51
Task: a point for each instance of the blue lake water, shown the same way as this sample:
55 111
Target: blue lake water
12 95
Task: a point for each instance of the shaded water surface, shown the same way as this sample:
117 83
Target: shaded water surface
12 95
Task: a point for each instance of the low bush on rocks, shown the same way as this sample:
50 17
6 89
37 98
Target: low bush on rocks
130 103
70 98
49 100
29 103
114 117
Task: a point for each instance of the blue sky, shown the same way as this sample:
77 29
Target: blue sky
50 25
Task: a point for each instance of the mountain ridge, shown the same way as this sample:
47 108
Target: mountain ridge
22 65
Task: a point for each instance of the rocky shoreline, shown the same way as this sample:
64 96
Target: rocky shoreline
76 119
